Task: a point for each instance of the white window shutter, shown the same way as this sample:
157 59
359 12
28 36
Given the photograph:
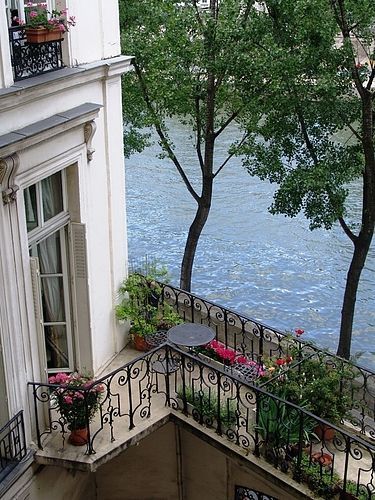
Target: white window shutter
80 293
37 301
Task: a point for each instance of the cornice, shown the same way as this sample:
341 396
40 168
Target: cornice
48 84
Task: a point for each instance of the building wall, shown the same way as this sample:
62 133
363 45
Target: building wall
96 190
175 464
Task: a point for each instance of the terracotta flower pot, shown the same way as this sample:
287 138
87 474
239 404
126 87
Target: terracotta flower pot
42 35
324 432
140 343
324 459
78 437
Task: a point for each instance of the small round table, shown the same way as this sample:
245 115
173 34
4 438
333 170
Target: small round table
190 334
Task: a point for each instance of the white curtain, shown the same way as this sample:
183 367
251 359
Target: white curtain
49 253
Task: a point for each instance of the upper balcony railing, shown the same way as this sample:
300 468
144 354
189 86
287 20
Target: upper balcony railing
32 59
12 445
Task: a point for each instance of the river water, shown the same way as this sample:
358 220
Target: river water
268 267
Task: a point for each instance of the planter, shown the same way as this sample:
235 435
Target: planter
78 437
140 343
324 459
324 432
214 362
43 35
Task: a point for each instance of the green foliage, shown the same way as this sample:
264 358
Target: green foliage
140 302
205 403
77 398
309 101
323 481
360 493
281 425
316 385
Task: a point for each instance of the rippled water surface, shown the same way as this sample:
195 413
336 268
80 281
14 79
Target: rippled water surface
268 267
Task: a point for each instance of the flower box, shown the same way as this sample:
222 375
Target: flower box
43 35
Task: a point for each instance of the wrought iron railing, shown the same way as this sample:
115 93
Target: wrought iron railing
32 59
258 342
12 445
244 414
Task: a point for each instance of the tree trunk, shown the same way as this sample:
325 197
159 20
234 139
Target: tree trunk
191 243
361 249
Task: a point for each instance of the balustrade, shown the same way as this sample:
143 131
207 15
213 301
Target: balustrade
245 414
32 59
12 445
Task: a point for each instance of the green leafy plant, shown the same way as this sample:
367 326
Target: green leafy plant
77 398
206 405
317 385
37 16
140 302
322 480
281 425
357 492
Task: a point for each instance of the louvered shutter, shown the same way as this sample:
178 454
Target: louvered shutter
77 237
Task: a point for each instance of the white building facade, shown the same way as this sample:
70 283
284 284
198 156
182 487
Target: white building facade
62 205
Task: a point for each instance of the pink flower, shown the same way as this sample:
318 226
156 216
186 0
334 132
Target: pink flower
62 378
33 13
52 380
299 331
68 400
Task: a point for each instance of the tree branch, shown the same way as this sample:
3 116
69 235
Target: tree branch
163 139
230 156
347 230
199 136
227 122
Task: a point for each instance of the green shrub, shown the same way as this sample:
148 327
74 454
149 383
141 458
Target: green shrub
206 403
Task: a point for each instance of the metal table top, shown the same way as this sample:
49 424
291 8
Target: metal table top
190 334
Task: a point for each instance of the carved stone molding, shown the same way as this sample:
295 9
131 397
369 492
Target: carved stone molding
8 170
89 131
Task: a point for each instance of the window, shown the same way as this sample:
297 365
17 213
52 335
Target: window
47 222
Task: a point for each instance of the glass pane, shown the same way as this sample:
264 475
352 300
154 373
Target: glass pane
49 254
56 346
52 196
29 197
53 299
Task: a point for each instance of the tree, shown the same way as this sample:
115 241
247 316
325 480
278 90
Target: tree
322 63
198 65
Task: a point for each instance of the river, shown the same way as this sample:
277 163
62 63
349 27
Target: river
268 267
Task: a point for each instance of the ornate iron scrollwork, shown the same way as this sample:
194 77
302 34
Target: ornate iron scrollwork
32 59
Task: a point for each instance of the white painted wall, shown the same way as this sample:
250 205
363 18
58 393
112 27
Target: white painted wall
96 35
6 75
101 206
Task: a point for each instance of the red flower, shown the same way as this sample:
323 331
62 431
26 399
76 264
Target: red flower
280 362
299 331
288 359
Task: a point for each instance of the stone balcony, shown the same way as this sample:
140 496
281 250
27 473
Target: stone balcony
143 394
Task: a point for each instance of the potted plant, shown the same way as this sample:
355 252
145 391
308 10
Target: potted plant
320 386
140 304
203 405
77 398
321 480
278 425
45 26
354 492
